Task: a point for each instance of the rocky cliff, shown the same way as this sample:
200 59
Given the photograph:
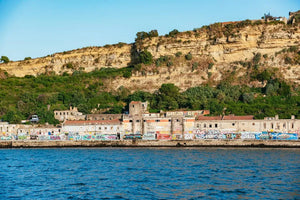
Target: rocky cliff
222 51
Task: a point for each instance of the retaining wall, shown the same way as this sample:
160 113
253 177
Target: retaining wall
153 143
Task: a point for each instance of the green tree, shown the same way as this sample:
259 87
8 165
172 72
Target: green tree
173 33
12 117
153 33
169 89
4 59
256 58
145 57
127 74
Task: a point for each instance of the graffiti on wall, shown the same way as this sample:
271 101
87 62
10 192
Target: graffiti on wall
6 138
163 136
248 135
177 136
276 136
189 136
150 135
222 134
93 137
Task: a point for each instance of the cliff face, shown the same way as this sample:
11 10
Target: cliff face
216 56
86 59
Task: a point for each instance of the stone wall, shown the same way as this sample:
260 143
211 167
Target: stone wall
155 143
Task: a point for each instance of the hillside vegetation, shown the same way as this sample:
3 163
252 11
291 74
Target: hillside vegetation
247 67
21 97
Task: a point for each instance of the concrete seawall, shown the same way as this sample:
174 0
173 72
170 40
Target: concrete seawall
155 143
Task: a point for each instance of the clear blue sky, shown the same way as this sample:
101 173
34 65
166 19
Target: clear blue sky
37 28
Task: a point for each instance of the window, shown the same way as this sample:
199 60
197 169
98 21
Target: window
157 120
177 120
216 125
204 125
144 120
198 125
99 128
105 128
292 125
233 124
130 120
253 124
210 126
137 120
272 125
169 120
133 106
283 125
111 128
102 118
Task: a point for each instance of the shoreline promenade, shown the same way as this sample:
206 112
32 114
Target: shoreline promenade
153 143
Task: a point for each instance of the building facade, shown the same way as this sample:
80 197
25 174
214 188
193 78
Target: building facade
178 124
170 125
71 114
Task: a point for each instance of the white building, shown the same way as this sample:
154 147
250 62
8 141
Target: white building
93 127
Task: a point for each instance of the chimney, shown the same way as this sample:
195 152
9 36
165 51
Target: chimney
293 117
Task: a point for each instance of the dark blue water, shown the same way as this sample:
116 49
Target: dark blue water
149 174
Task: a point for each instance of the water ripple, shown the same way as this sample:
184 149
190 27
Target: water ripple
150 173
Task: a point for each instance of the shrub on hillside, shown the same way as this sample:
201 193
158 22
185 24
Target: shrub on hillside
145 57
188 56
173 33
178 54
195 66
127 74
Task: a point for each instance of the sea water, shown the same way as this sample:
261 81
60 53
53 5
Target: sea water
150 173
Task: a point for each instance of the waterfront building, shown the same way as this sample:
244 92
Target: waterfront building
93 127
6 128
71 114
247 123
139 123
176 124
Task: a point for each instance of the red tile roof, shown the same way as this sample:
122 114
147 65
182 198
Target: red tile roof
91 122
228 117
233 117
135 102
209 118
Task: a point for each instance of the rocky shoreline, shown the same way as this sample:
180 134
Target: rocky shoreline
152 143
